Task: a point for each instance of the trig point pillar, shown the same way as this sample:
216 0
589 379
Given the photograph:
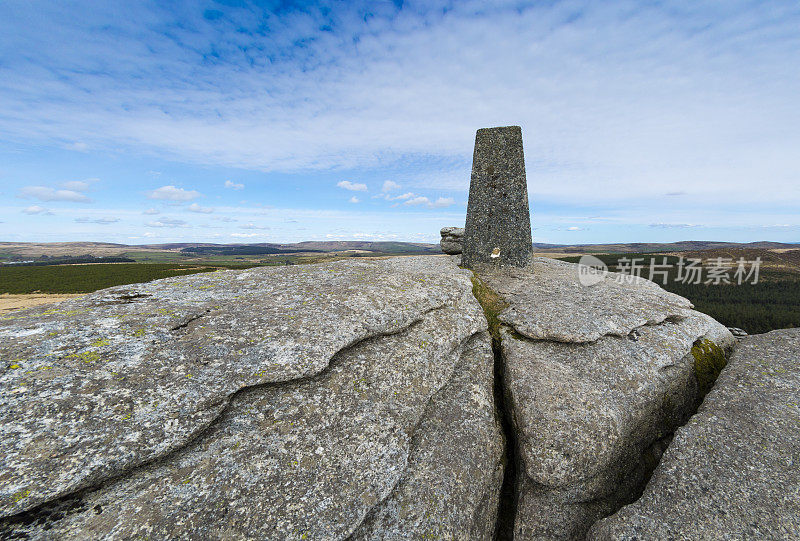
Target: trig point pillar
498 229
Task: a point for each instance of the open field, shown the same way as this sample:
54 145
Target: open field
771 304
17 302
202 252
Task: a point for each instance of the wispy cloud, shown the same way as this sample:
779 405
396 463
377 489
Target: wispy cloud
45 193
355 187
172 193
622 104
422 200
101 221
76 185
673 226
167 222
390 186
151 212
194 207
36 209
355 199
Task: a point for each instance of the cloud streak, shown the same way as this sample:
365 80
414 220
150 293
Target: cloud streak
45 193
384 85
172 193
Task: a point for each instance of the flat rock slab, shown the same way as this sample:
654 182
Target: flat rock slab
316 458
547 302
733 471
97 386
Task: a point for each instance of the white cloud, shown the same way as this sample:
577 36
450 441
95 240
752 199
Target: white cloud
574 228
245 235
355 199
443 202
36 209
151 212
78 146
76 185
389 186
102 221
657 81
416 200
167 222
252 226
419 200
171 193
672 226
226 219
347 185
233 185
44 193
194 207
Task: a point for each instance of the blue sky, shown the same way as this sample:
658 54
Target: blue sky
233 121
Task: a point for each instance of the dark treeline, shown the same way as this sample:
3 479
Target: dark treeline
73 261
17 279
772 303
242 250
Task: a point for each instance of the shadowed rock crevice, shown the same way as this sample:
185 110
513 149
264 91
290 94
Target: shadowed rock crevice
455 456
492 305
731 471
595 380
507 507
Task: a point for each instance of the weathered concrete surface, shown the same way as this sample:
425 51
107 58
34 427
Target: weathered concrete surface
498 228
548 302
96 387
733 472
452 242
596 383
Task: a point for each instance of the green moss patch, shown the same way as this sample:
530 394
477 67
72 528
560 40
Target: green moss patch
492 304
709 360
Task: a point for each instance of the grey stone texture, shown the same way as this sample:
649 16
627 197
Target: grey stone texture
498 228
733 472
280 403
596 380
362 400
452 240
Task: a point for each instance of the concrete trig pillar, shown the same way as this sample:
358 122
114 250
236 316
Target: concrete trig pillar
498 229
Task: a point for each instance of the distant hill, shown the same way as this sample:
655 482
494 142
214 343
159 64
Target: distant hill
19 251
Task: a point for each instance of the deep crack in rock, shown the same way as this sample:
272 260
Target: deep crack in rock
507 507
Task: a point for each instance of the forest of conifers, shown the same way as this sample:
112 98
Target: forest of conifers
772 303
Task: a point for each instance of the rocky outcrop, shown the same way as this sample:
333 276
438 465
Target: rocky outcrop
733 471
596 380
452 240
365 399
737 332
292 403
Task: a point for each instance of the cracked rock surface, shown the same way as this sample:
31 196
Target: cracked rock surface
733 471
548 302
597 379
198 403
